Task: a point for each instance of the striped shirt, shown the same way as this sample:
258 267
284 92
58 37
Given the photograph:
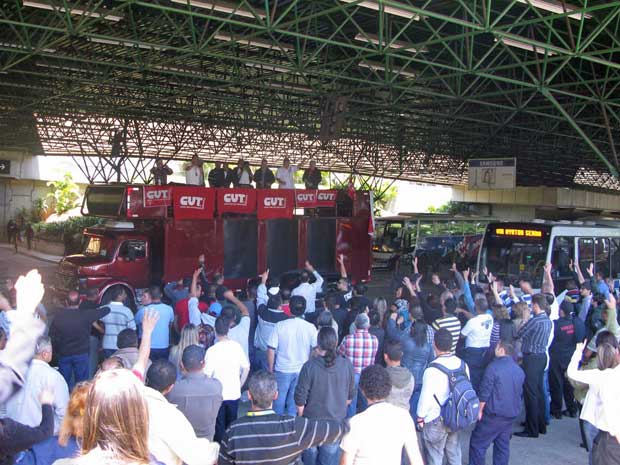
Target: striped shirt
360 348
119 318
267 438
535 334
453 325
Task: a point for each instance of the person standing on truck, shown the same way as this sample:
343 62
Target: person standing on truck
194 173
160 339
312 176
263 176
285 175
70 333
306 290
217 176
160 173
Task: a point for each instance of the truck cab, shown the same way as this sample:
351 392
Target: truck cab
113 254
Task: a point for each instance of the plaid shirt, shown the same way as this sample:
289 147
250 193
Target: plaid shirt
360 348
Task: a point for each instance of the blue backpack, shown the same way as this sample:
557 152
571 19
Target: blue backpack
462 407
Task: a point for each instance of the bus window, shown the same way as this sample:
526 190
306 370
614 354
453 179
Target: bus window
601 250
409 237
512 258
561 256
615 258
586 252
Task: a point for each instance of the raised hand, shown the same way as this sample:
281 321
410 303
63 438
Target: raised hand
340 259
547 268
591 269
149 321
30 291
309 266
466 274
264 276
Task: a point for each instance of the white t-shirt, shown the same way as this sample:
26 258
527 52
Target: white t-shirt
241 333
244 177
193 311
378 434
285 176
293 340
195 176
478 331
224 361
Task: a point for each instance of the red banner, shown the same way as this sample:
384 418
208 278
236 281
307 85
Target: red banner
326 198
157 196
278 203
193 203
236 201
305 198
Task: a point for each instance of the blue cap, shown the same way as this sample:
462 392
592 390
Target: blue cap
215 308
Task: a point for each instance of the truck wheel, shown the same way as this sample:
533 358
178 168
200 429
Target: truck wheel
129 302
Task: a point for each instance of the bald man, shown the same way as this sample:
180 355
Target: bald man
70 333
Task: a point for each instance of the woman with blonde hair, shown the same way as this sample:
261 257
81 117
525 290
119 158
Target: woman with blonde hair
116 422
65 445
189 337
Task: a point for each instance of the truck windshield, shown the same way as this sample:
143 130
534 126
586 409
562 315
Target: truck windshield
95 246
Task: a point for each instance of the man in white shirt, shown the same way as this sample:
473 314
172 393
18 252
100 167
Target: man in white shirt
379 433
438 440
194 173
25 406
284 175
226 362
119 318
477 332
288 348
172 439
238 332
306 290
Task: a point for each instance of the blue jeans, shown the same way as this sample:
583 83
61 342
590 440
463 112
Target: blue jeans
413 401
491 430
352 408
547 396
74 369
260 360
225 416
474 357
285 403
327 454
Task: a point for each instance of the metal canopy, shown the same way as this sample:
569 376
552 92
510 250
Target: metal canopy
428 84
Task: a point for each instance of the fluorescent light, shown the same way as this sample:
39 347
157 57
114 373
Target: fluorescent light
277 69
23 47
176 70
554 7
68 68
540 49
374 5
397 44
252 42
127 44
72 9
379 67
223 7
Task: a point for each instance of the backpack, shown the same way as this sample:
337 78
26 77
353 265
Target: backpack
462 407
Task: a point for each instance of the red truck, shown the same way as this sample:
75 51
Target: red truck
154 234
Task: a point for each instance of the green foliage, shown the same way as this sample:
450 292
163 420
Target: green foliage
59 231
64 196
34 214
451 208
384 191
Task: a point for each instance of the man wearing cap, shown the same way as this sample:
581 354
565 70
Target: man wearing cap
196 395
361 349
566 334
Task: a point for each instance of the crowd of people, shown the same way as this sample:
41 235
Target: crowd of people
330 376
241 175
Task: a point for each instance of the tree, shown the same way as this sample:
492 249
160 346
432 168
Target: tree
452 208
64 196
384 191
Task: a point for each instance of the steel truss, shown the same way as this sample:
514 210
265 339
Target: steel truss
429 84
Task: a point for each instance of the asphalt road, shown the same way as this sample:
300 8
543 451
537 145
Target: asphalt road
560 446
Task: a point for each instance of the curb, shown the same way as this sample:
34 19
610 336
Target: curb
31 254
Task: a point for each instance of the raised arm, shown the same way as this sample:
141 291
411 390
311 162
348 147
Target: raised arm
148 325
229 295
343 268
469 300
318 284
548 279
261 291
414 262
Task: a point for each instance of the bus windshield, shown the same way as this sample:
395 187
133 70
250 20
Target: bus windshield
388 236
512 257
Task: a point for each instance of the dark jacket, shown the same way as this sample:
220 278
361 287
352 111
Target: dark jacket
312 179
268 181
217 177
501 388
15 437
323 390
70 330
48 451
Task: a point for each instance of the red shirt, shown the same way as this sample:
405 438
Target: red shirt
181 311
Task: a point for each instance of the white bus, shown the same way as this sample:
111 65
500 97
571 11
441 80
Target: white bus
437 240
515 250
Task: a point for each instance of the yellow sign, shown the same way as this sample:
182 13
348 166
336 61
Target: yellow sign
515 232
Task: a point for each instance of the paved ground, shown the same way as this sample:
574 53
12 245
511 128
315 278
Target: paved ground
560 446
